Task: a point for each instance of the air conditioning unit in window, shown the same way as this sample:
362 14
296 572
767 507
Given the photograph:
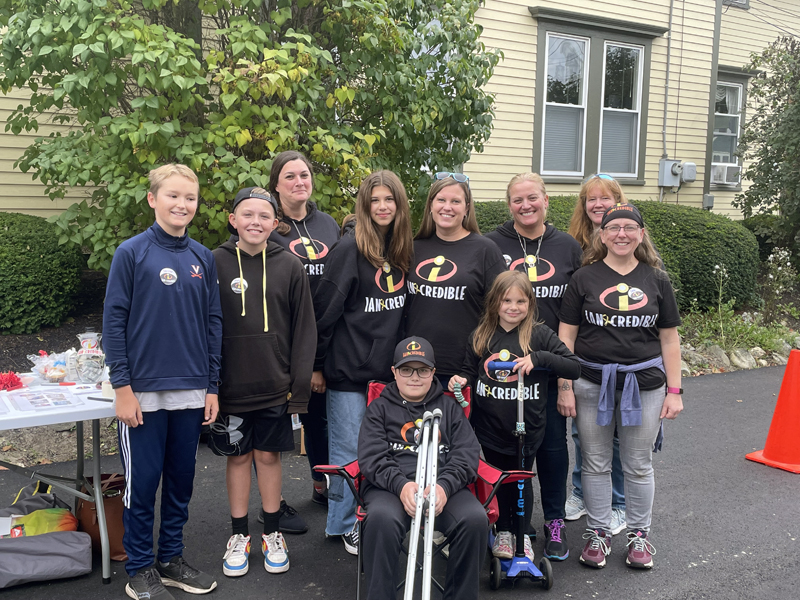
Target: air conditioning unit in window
726 174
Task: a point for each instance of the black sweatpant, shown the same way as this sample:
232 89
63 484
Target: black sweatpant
508 493
552 458
464 522
315 424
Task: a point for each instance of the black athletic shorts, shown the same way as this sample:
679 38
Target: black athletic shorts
267 430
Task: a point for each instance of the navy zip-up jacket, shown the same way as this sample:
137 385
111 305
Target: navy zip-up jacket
162 321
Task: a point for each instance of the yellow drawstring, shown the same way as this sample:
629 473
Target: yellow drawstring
264 287
241 277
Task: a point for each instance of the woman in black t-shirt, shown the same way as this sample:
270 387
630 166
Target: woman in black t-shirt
619 315
454 267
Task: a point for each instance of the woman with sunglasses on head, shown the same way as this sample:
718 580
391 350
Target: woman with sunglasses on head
454 267
598 193
359 309
549 258
308 234
620 317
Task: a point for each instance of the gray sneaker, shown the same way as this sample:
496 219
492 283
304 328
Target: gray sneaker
178 573
618 522
146 584
574 507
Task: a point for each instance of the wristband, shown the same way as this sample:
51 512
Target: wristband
672 390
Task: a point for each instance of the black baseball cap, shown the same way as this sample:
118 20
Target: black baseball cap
252 192
414 349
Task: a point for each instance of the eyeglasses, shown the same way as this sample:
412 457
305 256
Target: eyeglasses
423 372
614 229
459 177
600 176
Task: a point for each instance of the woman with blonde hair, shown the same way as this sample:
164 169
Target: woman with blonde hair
620 318
547 258
359 309
454 266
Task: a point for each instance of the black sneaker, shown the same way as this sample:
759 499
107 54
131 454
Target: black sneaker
147 584
178 573
350 540
319 497
555 540
291 521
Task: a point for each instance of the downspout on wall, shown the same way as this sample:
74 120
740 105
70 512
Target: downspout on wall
664 154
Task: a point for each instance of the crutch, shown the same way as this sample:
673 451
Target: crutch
433 467
413 542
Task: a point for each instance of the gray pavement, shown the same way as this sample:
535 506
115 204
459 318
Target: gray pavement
724 527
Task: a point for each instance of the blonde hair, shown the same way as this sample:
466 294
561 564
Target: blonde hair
157 176
581 226
370 241
532 177
428 227
645 252
490 319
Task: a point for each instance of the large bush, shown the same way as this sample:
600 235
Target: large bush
39 278
691 242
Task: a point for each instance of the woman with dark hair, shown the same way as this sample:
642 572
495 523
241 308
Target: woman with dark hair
548 257
309 234
454 267
620 318
359 309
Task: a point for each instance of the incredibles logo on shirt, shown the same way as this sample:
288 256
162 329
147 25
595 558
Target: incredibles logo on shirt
411 434
501 375
387 281
625 297
536 269
308 248
436 269
168 276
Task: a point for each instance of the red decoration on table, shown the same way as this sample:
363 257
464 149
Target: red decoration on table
9 381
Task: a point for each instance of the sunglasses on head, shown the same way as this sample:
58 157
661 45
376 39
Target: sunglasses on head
459 177
600 176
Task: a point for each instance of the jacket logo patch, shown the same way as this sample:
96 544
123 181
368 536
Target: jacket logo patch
238 285
196 271
168 276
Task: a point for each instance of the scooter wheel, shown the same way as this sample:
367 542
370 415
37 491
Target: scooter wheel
495 573
547 573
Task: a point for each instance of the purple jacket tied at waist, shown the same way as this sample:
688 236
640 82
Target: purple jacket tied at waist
630 405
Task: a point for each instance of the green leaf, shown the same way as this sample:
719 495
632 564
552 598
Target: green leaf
78 49
228 99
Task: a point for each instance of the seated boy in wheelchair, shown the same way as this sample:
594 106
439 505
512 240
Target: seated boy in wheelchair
387 456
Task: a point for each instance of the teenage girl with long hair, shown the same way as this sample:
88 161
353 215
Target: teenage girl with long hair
359 308
509 331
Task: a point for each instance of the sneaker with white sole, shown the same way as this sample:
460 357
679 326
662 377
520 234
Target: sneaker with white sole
503 546
640 550
276 555
350 540
618 522
236 561
529 549
180 574
574 507
598 546
146 584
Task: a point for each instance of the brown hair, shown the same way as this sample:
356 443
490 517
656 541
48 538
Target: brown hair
278 163
645 252
490 319
369 239
157 176
428 227
581 226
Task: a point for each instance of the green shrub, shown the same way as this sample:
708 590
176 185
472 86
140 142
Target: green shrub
772 231
691 242
40 278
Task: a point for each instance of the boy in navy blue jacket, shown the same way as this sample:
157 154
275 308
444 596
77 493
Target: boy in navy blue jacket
162 327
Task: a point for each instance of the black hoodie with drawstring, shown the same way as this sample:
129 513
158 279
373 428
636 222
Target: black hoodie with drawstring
269 336
389 439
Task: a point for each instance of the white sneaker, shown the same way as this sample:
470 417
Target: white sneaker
276 555
529 549
574 507
236 561
503 546
618 521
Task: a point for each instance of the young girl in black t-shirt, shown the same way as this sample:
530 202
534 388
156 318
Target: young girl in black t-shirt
619 315
508 331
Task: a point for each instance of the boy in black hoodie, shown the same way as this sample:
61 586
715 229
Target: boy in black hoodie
388 444
269 339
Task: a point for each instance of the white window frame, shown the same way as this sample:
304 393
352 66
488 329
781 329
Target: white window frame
583 105
738 116
638 109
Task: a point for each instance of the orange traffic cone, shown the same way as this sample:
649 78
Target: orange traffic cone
782 449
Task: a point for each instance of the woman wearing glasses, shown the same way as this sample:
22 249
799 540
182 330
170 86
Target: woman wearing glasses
454 266
598 193
619 316
359 309
549 258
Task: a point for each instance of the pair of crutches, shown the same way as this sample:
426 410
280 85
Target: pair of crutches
427 467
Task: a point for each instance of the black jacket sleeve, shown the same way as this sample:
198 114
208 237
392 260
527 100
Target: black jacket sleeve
471 363
377 464
461 467
304 341
340 275
553 354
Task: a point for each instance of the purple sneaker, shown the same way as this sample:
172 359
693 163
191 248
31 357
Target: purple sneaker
598 546
555 540
640 550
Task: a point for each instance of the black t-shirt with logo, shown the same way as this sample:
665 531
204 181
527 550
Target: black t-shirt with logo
619 317
559 257
446 287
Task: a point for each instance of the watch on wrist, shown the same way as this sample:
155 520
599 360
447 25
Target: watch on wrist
673 390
